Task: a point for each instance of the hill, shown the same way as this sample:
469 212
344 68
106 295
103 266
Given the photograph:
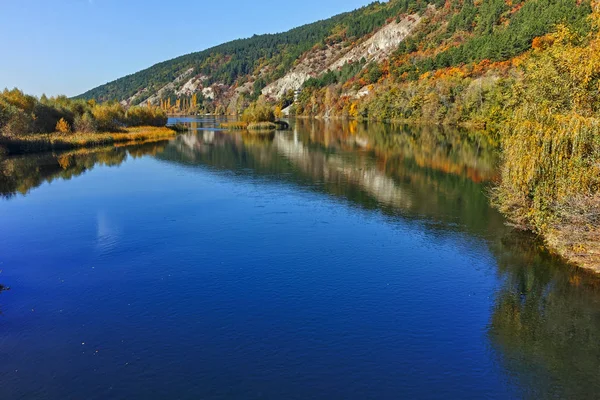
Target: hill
249 63
402 38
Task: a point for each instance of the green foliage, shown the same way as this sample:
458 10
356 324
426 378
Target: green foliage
497 42
348 71
110 117
465 19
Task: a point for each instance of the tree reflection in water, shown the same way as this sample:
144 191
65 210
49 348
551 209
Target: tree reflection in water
19 175
545 324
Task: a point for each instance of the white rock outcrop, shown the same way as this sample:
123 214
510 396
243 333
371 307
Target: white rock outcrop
376 48
382 44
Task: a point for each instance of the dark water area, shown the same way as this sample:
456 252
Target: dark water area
332 261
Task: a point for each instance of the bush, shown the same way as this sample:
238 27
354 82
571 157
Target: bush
258 113
146 116
63 126
85 123
46 117
110 117
14 121
262 126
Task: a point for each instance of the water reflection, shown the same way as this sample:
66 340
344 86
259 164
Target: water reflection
429 174
545 323
21 174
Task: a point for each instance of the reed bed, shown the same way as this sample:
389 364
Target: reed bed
58 141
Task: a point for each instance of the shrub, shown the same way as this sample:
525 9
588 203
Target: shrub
14 121
146 116
258 113
110 117
46 117
85 123
262 126
63 126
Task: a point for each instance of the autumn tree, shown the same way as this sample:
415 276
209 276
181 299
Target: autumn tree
63 126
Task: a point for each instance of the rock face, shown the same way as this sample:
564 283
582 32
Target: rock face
381 45
292 81
192 86
209 93
318 61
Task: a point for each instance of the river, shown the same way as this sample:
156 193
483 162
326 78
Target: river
337 260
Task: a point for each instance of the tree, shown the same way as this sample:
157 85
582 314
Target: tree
63 126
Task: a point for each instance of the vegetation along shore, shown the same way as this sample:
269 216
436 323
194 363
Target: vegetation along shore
29 124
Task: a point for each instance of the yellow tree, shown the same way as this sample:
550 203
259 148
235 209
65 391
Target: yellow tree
63 126
278 112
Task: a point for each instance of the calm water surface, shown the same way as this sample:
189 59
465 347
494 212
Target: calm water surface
333 261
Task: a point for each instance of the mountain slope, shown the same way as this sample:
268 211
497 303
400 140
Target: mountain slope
398 40
258 60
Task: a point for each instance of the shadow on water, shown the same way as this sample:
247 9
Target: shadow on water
545 323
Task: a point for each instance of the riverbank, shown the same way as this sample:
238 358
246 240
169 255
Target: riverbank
255 126
35 143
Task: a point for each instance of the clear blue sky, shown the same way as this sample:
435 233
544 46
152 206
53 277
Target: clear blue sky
70 46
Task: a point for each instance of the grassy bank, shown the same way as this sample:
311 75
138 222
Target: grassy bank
255 126
262 126
60 141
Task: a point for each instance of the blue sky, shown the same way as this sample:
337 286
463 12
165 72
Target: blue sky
70 46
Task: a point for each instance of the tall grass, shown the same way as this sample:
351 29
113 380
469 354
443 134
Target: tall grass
57 141
262 126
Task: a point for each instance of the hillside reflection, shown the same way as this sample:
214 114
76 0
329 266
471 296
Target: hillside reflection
431 174
545 323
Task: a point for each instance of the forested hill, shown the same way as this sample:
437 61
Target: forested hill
399 39
267 56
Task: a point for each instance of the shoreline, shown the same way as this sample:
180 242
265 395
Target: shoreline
39 143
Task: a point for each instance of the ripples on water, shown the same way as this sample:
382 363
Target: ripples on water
336 260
